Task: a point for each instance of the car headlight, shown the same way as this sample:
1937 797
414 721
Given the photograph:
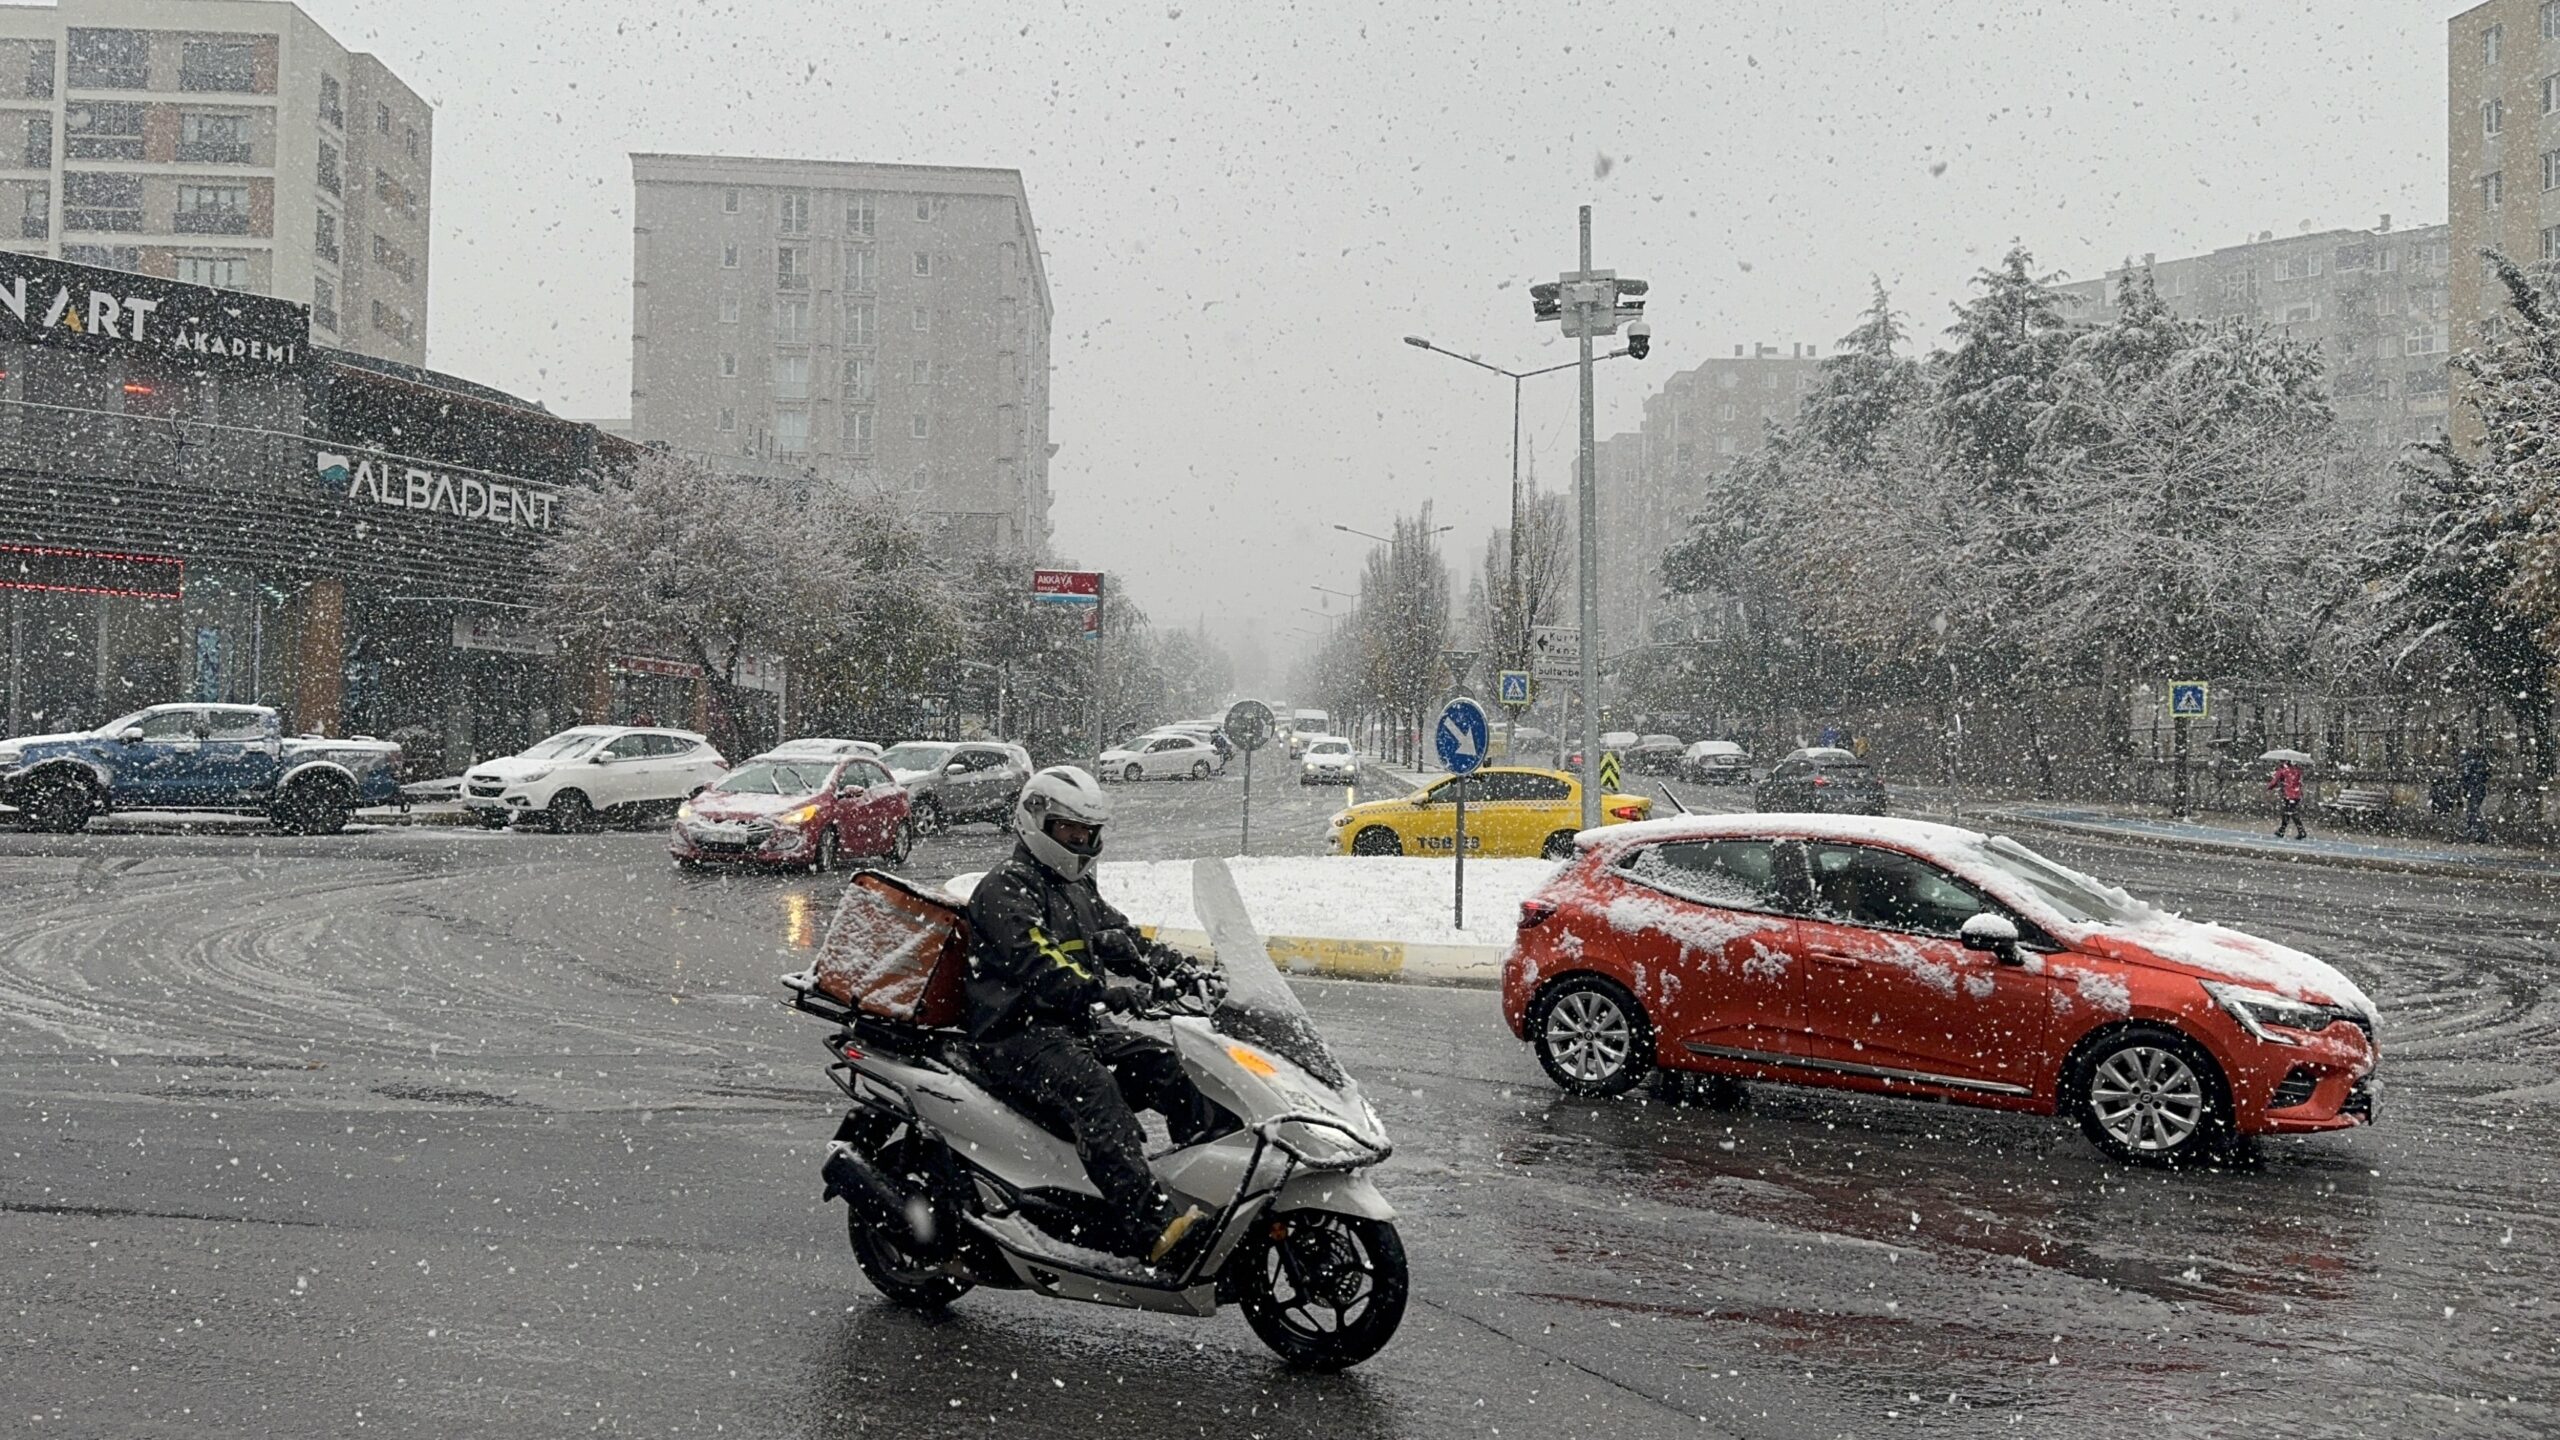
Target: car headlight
2256 1010
1342 819
9 759
801 816
685 811
534 776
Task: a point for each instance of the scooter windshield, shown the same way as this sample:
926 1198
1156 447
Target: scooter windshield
1260 1007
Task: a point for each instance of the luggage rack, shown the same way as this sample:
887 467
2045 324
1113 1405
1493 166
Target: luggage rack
915 1041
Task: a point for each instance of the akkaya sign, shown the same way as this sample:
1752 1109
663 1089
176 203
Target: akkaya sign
403 486
81 307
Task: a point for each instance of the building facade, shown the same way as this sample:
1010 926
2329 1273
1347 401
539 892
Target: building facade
2502 154
228 143
196 503
883 326
2376 303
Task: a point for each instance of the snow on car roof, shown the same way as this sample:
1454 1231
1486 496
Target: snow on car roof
1921 837
1715 747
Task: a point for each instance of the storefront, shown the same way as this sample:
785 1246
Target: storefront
195 504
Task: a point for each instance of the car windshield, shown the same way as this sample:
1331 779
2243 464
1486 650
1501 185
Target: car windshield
777 777
1332 747
2070 894
567 745
915 756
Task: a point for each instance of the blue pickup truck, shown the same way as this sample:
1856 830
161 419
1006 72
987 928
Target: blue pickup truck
232 758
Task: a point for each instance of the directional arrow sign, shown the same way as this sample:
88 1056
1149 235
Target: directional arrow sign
1462 736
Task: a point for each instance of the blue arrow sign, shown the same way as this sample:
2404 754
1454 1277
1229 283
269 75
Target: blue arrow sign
1462 736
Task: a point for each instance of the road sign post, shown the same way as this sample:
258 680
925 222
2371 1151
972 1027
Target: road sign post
2189 701
1461 738
1250 725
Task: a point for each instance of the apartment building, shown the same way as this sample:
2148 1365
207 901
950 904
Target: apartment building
2502 154
882 326
1652 479
231 143
2375 302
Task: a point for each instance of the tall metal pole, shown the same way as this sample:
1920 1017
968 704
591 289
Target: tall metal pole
1519 651
1100 672
1587 497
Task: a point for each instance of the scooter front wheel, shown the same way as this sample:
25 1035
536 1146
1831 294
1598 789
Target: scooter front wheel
1324 1291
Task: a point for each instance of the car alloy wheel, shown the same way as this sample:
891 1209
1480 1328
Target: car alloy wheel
1133 774
927 815
825 861
61 808
1199 769
571 814
1376 840
1559 846
902 841
1592 1036
2148 1095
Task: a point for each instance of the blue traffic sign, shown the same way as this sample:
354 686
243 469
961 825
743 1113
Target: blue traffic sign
1462 736
1515 687
2187 699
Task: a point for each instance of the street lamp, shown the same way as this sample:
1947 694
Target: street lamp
1383 540
1519 606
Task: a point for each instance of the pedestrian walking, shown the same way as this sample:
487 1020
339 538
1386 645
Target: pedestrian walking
2471 772
2287 783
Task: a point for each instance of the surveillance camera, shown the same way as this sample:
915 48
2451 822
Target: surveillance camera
1640 338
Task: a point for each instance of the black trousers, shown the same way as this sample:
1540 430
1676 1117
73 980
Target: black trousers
1090 1087
2291 814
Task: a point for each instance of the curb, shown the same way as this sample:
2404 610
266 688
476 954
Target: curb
2390 864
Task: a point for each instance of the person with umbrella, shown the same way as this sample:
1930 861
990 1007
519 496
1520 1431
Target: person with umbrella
2287 783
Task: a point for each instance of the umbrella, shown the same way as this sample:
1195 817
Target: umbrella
2291 756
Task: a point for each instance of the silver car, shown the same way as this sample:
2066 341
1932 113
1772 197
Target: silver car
954 782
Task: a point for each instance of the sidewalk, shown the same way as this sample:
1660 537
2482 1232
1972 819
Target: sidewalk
2225 837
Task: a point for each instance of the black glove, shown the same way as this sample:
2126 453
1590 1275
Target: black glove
1127 997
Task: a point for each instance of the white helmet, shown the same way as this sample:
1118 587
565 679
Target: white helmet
1062 793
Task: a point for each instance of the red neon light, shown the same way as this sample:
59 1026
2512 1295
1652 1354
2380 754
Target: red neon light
176 592
93 554
92 590
136 387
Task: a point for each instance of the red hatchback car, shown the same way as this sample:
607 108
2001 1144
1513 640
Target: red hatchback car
806 812
1917 959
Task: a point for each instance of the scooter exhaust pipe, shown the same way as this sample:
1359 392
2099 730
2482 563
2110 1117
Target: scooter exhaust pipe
862 1186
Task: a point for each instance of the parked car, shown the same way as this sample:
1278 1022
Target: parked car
1821 780
1328 761
955 782
789 808
231 758
1511 810
820 747
1656 754
1910 958
582 777
1162 755
1716 762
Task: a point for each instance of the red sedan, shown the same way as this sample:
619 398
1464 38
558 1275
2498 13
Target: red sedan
1916 959
804 812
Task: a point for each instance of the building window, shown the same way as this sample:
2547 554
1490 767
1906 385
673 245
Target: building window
2551 20
861 216
330 110
223 272
923 319
919 427
791 267
857 432
729 255
2551 169
324 303
860 379
212 210
2493 116
791 432
728 309
394 259
2551 242
2301 314
791 322
2423 342
924 207
791 377
2301 265
40 70
924 266
394 194
213 139
860 269
2493 190
218 65
2492 40
1011 255
105 257
729 201
2429 381
409 141
794 212
381 119
102 130
94 201
861 325
728 365
110 60
329 167
920 372
728 418
324 235
399 324
36 223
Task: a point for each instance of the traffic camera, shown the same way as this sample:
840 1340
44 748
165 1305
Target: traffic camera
1640 339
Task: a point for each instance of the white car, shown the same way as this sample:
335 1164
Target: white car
579 776
818 748
1328 761
1164 756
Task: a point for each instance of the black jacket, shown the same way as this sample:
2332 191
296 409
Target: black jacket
1041 947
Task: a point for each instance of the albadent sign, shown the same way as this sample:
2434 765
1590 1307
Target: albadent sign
403 486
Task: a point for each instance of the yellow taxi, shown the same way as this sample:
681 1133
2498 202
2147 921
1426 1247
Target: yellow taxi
1511 810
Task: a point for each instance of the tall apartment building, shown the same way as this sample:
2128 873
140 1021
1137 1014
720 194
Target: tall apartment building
2502 153
221 142
1652 479
2375 302
884 326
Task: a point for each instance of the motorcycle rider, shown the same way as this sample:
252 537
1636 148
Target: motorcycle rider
1049 958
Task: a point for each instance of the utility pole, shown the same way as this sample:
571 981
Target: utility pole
1589 303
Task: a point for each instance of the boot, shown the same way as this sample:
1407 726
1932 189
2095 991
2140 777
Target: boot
1170 1251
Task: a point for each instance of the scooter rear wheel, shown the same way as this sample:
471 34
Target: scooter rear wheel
1328 1293
897 1274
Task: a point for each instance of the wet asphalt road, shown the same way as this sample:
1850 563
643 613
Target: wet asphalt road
444 1132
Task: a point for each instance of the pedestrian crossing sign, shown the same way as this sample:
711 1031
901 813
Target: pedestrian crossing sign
2189 699
1515 689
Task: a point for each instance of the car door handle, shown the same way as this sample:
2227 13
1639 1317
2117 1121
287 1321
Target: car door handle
1834 959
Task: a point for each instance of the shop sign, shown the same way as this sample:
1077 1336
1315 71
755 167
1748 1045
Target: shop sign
82 307
402 486
503 633
755 672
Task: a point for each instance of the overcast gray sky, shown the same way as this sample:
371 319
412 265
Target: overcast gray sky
1243 206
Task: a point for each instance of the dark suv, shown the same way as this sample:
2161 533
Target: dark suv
1821 780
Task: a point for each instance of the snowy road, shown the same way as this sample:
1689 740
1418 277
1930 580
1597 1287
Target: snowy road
456 1133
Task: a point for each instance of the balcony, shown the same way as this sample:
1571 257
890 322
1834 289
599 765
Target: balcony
209 222
213 152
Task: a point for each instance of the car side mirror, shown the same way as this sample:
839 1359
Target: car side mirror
595 759
955 768
1996 935
130 735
